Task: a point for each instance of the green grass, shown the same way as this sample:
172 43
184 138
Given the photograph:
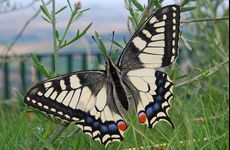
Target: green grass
200 110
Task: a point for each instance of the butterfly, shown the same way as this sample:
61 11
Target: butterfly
95 99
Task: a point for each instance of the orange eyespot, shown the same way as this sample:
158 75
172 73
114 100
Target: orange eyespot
122 126
142 117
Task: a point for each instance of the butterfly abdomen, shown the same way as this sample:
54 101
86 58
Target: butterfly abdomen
120 91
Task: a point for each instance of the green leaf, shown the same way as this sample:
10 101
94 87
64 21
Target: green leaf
138 5
115 42
47 20
185 9
101 45
157 4
97 64
187 45
125 40
45 11
57 35
185 2
114 54
77 36
40 67
78 15
61 9
134 17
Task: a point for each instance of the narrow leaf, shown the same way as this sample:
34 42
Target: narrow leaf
45 12
47 20
77 36
157 4
115 42
187 45
61 9
57 35
101 44
184 3
97 64
138 5
40 67
114 54
184 9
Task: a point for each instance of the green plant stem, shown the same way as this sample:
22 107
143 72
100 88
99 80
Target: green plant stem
204 19
202 75
145 13
56 133
67 29
56 70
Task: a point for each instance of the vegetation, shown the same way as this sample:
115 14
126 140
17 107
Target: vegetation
200 107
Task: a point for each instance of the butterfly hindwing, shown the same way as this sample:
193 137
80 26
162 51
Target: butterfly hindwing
84 98
155 44
153 94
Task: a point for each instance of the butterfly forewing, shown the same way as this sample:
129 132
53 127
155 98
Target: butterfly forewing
84 98
155 44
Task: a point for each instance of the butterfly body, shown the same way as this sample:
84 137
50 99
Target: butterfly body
96 100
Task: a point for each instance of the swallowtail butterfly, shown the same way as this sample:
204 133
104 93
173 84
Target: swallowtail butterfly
92 99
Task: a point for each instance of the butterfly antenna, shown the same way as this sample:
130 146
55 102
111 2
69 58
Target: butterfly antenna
95 41
110 50
99 46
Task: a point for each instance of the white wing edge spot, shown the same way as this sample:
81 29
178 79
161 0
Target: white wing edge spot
39 104
40 93
67 116
53 109
174 14
60 113
46 107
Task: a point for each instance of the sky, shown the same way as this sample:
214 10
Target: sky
107 16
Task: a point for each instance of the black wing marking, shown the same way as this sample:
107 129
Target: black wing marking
155 44
153 92
83 98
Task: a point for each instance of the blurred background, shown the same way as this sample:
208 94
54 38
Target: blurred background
23 31
201 73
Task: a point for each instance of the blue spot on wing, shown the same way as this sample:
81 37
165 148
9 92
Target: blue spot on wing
96 124
159 98
149 111
104 129
156 107
89 120
112 127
